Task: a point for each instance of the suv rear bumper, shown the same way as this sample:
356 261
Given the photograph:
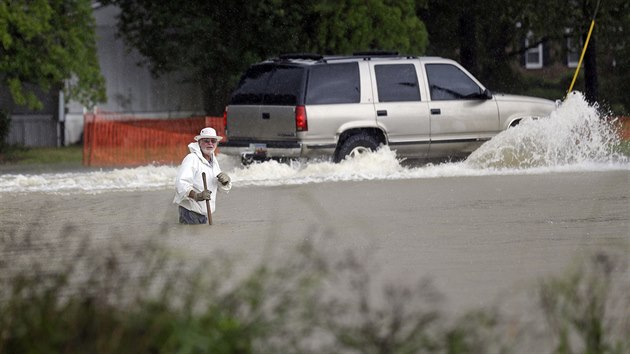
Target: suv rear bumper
269 143
264 150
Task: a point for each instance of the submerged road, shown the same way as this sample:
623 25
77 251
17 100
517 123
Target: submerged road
479 239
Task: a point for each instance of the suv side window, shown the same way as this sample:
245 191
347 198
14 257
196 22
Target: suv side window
333 83
251 88
284 86
397 83
448 82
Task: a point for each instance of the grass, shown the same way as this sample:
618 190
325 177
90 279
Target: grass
42 155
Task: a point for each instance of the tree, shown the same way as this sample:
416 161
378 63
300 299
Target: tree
46 45
571 19
452 28
615 56
213 42
346 26
487 37
482 35
605 62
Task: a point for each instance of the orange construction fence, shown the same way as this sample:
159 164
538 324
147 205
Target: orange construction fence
111 139
624 128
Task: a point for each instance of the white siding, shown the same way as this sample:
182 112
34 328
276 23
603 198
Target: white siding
131 88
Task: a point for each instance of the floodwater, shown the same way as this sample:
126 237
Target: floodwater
484 229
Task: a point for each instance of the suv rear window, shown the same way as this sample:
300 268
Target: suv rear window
269 84
333 83
284 86
251 88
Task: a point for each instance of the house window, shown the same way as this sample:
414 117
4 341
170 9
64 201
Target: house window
573 56
533 56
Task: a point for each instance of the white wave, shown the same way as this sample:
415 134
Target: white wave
573 138
574 133
140 178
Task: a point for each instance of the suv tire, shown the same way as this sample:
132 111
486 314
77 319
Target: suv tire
354 145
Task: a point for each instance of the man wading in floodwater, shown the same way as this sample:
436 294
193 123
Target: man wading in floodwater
190 194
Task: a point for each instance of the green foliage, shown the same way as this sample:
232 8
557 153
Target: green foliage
609 42
623 148
581 307
71 293
343 27
478 34
488 38
49 44
473 333
540 86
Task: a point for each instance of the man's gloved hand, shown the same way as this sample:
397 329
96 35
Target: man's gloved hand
204 195
223 178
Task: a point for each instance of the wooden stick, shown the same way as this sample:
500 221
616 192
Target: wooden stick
205 187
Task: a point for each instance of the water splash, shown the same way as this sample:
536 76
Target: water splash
572 134
140 178
382 164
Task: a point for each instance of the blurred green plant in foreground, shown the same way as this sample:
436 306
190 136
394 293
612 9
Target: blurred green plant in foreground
72 293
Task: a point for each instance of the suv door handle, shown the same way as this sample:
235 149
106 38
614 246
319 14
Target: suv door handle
381 113
436 111
265 116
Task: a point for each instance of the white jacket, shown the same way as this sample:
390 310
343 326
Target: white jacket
189 178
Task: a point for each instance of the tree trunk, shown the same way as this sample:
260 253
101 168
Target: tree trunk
590 71
214 93
468 36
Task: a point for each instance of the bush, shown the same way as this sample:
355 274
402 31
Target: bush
587 309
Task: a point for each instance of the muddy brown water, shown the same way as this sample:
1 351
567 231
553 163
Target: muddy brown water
479 239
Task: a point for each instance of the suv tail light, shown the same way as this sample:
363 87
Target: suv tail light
301 123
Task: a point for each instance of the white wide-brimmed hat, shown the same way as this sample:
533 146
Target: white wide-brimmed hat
208 133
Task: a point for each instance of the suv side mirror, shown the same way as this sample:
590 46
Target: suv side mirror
486 94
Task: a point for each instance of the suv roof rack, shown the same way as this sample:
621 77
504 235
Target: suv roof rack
305 56
375 53
367 55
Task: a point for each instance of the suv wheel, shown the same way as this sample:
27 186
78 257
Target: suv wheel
356 144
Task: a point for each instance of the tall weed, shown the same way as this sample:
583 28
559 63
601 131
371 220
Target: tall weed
72 293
